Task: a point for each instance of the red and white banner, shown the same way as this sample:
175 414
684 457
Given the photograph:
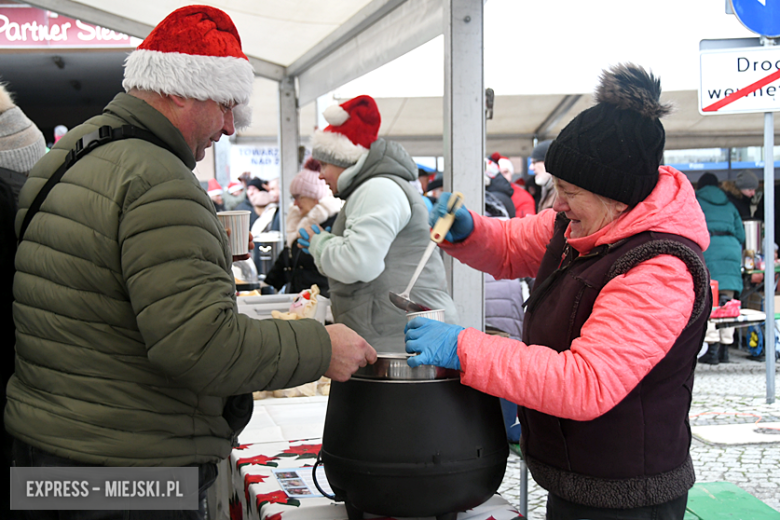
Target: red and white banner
29 27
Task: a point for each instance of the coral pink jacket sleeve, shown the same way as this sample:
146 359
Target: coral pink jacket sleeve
505 248
619 344
635 321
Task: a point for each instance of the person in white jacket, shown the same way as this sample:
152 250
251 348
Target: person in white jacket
381 232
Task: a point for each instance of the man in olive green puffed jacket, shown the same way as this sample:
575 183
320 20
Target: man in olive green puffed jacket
128 339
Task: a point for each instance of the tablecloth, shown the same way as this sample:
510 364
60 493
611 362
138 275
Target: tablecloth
746 318
285 434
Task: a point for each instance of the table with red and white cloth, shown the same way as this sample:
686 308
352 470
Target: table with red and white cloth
286 434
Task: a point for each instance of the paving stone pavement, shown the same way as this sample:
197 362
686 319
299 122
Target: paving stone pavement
732 393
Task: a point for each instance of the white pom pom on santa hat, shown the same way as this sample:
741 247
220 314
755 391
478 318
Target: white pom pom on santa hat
335 115
214 188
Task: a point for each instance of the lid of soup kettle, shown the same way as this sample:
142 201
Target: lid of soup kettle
393 367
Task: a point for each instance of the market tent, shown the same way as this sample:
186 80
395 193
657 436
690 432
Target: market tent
548 62
311 47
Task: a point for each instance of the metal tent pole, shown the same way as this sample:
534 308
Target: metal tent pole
769 248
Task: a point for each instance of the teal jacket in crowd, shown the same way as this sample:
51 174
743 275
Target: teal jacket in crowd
727 235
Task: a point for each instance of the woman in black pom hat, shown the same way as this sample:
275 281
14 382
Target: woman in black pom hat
604 373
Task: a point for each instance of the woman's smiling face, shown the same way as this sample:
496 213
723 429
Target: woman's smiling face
587 211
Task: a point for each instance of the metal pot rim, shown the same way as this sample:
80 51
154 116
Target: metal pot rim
391 366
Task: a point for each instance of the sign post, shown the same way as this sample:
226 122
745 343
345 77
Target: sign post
746 79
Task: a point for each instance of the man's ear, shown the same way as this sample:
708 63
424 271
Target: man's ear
179 101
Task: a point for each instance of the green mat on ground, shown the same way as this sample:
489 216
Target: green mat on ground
724 500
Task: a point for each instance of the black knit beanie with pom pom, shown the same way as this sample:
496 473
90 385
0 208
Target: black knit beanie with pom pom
614 149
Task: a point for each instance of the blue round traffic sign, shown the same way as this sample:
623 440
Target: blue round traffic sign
760 16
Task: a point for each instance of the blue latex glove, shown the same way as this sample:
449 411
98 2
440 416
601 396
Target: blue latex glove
463 225
435 341
304 241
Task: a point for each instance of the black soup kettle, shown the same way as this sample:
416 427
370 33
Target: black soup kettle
411 442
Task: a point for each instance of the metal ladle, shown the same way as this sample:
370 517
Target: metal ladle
438 233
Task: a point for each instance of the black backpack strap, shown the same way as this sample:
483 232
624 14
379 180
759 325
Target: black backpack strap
90 141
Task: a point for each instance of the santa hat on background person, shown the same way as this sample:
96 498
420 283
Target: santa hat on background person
234 187
502 162
214 188
21 143
491 168
195 52
307 182
353 126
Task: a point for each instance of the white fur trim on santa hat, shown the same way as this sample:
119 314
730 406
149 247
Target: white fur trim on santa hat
506 164
222 79
242 116
335 148
335 115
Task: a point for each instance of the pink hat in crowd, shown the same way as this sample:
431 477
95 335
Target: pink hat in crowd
214 188
234 187
307 182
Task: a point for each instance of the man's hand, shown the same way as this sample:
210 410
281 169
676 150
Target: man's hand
349 352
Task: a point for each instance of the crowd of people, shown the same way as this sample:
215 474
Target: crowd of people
120 297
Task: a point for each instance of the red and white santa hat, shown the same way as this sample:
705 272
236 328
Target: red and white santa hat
491 168
353 126
505 165
234 187
195 52
214 188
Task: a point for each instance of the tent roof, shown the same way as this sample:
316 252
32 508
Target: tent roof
327 43
417 122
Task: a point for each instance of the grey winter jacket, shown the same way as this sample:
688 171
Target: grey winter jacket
128 335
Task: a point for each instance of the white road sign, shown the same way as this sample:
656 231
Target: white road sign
738 81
